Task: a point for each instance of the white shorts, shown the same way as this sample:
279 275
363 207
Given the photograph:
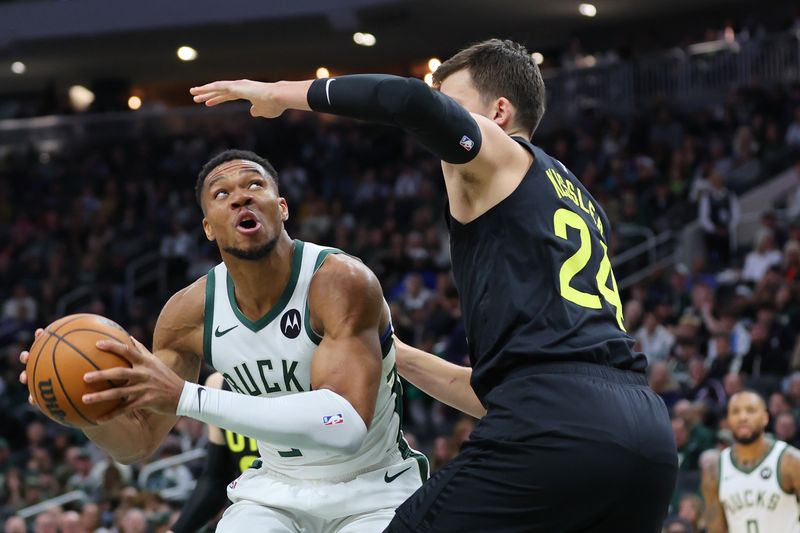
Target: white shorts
268 502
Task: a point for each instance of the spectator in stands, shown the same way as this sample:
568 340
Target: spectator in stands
70 522
655 340
690 509
723 361
793 131
719 216
786 429
704 388
15 524
133 521
47 522
732 383
663 383
761 258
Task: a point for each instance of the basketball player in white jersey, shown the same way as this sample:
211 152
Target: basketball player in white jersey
755 485
302 335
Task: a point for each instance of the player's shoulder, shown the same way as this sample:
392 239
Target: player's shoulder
214 380
789 469
790 458
182 315
342 272
710 464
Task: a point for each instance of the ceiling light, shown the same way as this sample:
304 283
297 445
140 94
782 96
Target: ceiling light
80 97
538 57
187 53
587 10
322 72
364 39
18 67
134 102
433 64
429 79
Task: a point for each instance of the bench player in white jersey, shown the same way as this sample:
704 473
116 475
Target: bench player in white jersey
302 335
755 485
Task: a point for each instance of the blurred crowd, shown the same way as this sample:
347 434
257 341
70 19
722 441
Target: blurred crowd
79 217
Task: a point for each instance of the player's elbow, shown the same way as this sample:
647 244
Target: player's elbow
349 442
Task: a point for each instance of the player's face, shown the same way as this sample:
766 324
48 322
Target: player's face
243 211
747 417
460 88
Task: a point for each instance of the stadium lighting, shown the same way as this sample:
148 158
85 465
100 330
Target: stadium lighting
187 53
433 64
429 78
80 97
134 102
538 57
587 10
18 67
364 39
322 72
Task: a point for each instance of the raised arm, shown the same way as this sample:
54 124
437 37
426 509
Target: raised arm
472 147
441 379
714 513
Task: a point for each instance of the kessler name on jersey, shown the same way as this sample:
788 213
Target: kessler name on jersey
565 189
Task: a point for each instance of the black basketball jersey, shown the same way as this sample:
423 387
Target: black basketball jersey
535 279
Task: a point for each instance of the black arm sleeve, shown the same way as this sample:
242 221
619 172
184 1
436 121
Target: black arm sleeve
437 121
210 493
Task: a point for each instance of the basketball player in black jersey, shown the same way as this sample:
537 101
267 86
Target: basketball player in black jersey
571 438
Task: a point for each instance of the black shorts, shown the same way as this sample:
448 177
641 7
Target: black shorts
564 447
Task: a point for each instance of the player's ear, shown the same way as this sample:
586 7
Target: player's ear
209 231
504 112
284 207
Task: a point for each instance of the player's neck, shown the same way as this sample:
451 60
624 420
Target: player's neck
259 284
748 455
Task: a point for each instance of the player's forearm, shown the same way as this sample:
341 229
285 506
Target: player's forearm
441 379
316 420
435 120
128 439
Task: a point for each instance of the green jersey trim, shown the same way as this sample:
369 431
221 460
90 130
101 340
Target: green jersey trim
750 470
297 261
313 335
208 316
778 473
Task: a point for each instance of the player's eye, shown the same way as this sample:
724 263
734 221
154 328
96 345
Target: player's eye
254 185
220 194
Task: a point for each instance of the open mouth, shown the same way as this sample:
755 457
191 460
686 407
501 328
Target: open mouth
247 223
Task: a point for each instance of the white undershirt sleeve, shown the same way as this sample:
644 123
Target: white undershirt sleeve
319 420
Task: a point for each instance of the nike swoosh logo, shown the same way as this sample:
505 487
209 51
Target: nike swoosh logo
388 479
200 392
328 90
219 333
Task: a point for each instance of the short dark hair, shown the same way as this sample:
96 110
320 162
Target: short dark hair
502 68
230 155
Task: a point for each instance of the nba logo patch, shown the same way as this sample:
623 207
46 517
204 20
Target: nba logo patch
466 143
332 420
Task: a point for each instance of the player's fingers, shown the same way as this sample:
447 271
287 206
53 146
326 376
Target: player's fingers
222 85
113 394
23 377
223 97
30 400
37 333
123 350
23 357
118 373
204 97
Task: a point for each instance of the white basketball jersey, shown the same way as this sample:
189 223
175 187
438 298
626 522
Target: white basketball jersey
753 499
272 357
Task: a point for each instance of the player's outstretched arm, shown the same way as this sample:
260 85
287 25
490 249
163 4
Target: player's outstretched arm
133 433
714 513
476 145
210 493
789 471
448 383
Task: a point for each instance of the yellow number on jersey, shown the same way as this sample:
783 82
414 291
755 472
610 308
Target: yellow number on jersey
578 261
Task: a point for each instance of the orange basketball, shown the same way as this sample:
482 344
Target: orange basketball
61 356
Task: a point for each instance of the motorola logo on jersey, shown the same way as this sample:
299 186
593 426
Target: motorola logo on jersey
290 323
765 472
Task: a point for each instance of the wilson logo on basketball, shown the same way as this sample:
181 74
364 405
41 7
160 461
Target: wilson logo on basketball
49 396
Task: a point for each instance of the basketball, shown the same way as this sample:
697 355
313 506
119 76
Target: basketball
59 358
